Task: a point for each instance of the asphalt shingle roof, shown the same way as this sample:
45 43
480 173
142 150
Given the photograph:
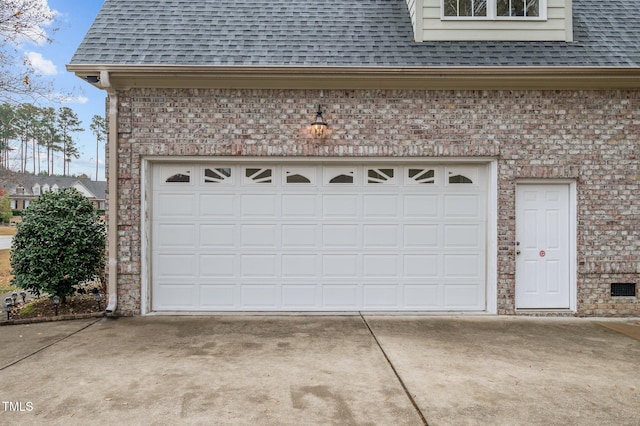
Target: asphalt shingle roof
335 33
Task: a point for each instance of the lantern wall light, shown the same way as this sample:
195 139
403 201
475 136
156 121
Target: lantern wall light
319 126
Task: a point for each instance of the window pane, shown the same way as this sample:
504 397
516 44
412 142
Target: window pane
450 7
518 7
465 7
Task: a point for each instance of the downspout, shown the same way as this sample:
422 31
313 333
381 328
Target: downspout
112 173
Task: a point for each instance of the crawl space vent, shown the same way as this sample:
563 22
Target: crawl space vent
623 289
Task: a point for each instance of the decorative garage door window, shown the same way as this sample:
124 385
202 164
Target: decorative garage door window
176 174
298 175
218 175
339 175
420 175
462 175
258 175
381 176
306 236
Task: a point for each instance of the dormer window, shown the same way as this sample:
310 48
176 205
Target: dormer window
55 188
494 9
36 189
45 188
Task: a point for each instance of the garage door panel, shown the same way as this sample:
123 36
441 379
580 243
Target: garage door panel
173 204
172 264
421 265
340 265
381 236
385 296
318 238
421 236
258 236
300 265
463 296
380 265
299 236
217 265
463 236
177 235
340 295
299 205
259 296
217 236
217 206
340 206
258 205
462 205
217 296
299 296
340 236
258 265
380 206
422 296
421 206
175 296
462 265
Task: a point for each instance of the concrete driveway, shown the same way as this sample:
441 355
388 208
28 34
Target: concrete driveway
342 370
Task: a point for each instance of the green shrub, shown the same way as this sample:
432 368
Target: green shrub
60 241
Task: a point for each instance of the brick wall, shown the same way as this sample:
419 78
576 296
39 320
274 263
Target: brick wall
592 137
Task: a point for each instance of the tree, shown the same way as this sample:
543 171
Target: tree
60 242
7 133
51 136
68 122
99 129
21 21
25 125
5 207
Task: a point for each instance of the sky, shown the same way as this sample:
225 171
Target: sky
74 17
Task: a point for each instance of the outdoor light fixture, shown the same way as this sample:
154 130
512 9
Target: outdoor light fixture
7 306
23 294
96 297
56 302
319 127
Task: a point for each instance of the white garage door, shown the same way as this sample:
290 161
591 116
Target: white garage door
264 237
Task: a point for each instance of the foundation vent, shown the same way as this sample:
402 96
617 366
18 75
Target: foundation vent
623 289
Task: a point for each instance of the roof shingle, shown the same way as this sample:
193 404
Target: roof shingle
335 33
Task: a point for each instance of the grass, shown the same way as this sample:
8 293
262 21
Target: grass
5 272
8 230
5 266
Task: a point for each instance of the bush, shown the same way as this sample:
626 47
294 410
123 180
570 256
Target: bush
60 242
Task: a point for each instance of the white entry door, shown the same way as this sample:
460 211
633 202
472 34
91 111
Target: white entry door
543 246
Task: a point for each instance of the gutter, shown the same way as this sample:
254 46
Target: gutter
112 223
124 77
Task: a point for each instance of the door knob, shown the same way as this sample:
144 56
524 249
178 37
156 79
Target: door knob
517 251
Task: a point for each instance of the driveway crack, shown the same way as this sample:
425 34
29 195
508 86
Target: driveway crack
4 367
393 368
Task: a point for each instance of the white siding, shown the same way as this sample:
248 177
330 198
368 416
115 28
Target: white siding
558 25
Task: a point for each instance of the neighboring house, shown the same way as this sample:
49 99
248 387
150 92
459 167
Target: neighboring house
24 189
462 159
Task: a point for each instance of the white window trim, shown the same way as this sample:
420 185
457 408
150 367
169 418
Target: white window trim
492 14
